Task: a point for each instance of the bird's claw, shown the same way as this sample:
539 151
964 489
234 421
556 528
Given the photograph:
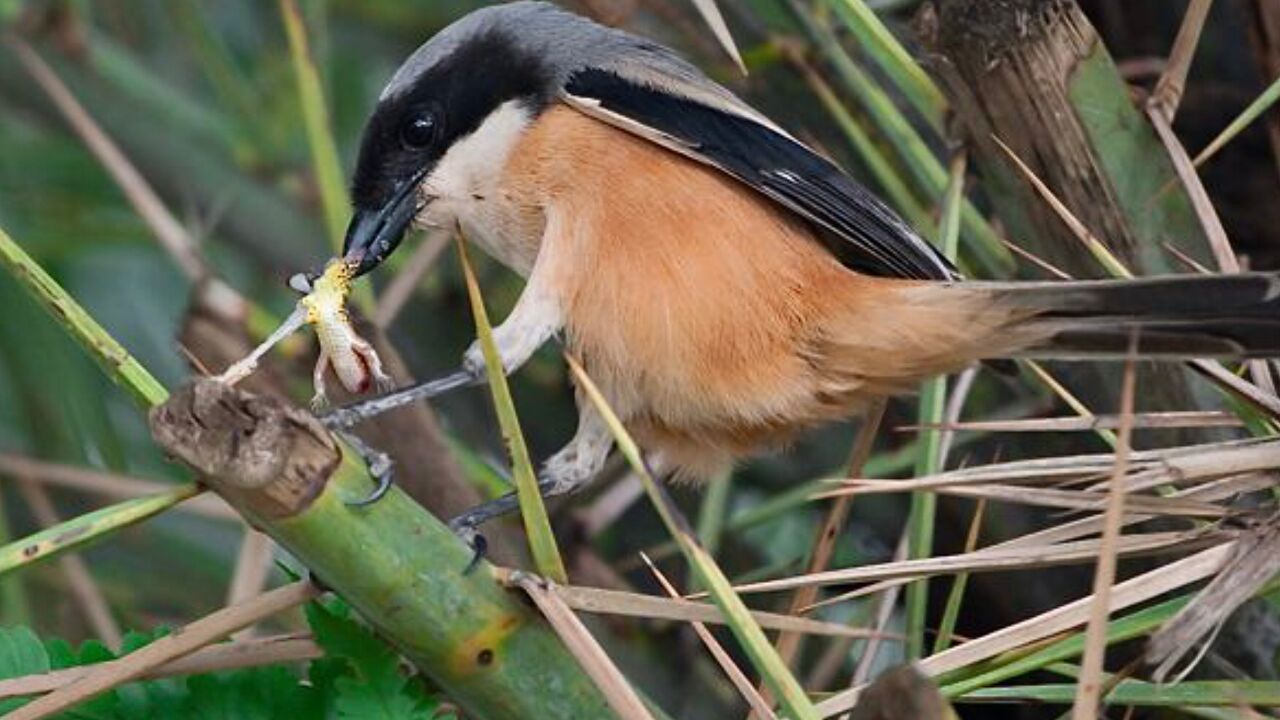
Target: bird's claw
470 536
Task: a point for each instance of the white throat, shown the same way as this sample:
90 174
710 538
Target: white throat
463 189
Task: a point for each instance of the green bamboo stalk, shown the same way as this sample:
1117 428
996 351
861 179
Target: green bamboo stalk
537 526
933 401
315 117
115 361
395 563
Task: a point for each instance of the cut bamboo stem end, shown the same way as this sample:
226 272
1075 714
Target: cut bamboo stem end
396 564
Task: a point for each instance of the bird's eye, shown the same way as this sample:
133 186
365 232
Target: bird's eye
419 131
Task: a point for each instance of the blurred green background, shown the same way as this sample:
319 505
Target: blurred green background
202 99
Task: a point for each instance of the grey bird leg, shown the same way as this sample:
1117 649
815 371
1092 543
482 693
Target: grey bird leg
356 413
379 464
566 472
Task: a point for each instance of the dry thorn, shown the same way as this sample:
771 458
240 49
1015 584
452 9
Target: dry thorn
183 641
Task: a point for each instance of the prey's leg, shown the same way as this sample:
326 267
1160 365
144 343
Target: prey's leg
569 470
535 318
320 399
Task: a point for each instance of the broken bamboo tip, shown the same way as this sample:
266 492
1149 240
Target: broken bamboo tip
267 458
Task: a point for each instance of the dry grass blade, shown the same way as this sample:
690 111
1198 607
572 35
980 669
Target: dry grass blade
1207 214
118 487
1071 615
1089 688
252 570
83 587
1140 421
1053 498
1169 89
1255 562
182 642
781 682
710 13
758 706
1068 397
884 614
1176 466
393 297
627 604
170 233
824 544
613 685
212 658
1255 396
1091 242
997 559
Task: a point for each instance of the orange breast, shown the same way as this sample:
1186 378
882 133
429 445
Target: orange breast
713 320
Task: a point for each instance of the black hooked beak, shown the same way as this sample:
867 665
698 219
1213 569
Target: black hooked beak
374 233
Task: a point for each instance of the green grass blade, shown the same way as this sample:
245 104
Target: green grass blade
115 361
80 531
951 612
537 526
1246 118
933 401
929 175
1220 693
315 117
880 44
775 673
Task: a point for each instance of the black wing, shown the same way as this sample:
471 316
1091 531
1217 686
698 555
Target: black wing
860 230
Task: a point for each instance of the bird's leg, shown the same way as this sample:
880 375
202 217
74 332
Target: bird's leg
356 413
379 464
569 470
535 318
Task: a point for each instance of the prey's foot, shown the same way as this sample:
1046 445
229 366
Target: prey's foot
380 468
356 413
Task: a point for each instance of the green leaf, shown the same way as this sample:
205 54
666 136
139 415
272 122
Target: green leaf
361 678
21 653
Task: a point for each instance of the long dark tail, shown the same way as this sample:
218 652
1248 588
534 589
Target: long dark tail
1181 316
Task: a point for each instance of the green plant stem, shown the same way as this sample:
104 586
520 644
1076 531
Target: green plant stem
395 563
79 531
115 361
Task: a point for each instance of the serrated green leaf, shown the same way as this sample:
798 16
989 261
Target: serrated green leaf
361 677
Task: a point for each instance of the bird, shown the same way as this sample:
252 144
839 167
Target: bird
724 284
